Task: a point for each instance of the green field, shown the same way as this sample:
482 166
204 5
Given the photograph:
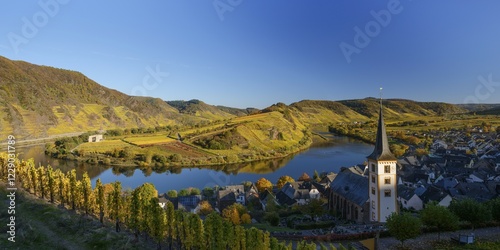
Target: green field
149 140
102 146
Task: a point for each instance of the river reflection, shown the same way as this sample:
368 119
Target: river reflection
326 156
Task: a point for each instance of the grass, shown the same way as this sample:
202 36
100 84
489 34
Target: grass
149 140
102 146
42 225
449 245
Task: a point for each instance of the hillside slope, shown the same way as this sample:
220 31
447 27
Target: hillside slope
39 101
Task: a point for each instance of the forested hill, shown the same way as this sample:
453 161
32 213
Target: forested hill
39 101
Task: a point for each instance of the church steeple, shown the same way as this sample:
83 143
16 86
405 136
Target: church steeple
381 151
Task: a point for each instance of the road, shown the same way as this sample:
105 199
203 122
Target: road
42 140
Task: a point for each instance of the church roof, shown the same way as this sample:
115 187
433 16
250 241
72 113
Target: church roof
351 186
381 151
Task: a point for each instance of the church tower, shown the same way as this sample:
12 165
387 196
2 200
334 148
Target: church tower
382 176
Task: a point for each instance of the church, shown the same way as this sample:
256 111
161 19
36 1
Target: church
369 195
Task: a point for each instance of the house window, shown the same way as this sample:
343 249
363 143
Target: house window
373 204
373 167
387 193
373 190
387 169
373 178
387 180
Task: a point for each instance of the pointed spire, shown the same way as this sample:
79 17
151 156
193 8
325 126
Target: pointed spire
381 151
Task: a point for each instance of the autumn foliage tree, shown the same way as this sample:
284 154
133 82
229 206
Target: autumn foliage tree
263 184
283 180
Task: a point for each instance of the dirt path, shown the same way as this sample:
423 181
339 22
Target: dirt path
424 241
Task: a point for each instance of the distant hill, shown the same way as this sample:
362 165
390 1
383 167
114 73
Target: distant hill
40 101
200 109
324 112
481 108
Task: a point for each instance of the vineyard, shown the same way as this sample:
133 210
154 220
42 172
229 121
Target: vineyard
138 211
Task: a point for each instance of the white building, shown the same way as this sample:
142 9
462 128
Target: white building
382 177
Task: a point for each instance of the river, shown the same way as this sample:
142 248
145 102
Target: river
326 156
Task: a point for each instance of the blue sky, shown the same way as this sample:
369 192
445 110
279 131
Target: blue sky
254 53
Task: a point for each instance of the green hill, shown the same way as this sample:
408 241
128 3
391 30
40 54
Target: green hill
40 101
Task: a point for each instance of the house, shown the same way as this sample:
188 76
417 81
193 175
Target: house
95 138
446 183
230 195
189 202
408 199
475 190
414 179
439 144
478 176
162 201
435 194
267 196
294 193
349 196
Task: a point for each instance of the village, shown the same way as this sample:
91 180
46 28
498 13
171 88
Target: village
460 165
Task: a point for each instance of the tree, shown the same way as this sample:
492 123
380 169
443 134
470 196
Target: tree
51 181
495 207
283 180
196 225
231 213
99 190
403 226
195 191
184 192
145 193
87 192
304 177
263 184
439 217
33 178
115 204
157 221
61 190
316 176
245 219
471 211
42 181
172 193
170 227
134 221
72 188
205 208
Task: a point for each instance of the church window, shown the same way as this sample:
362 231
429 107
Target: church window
388 180
373 178
373 167
373 190
387 193
387 169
